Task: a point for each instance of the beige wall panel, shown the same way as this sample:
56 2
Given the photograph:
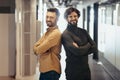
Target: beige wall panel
7 45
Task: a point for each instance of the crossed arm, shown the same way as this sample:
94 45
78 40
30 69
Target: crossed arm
43 45
73 47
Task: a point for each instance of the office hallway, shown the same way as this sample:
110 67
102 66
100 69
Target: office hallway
23 23
97 72
97 69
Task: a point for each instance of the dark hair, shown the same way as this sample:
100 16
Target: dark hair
54 10
69 11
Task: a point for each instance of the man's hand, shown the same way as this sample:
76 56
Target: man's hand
75 44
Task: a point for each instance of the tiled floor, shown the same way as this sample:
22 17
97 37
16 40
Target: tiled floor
97 72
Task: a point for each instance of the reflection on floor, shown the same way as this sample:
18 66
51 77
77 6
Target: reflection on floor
97 72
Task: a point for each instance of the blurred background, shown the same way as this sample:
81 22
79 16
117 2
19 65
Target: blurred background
22 22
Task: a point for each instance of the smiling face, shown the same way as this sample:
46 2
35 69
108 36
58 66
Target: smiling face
51 19
73 18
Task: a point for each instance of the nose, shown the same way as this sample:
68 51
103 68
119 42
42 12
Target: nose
73 18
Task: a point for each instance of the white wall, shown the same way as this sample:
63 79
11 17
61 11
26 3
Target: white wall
109 39
117 44
110 43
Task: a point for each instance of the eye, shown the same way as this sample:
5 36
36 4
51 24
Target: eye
49 17
70 16
75 16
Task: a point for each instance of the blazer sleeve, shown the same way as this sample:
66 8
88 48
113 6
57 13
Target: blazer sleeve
48 42
67 42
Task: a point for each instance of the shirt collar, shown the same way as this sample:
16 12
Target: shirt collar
51 28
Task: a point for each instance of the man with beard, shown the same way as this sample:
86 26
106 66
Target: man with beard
48 47
78 45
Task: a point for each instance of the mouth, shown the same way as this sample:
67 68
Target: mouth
73 22
48 21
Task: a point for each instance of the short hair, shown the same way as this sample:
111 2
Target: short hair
70 10
54 10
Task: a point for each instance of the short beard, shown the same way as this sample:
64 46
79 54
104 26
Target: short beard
74 24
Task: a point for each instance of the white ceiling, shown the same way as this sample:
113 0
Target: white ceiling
70 2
